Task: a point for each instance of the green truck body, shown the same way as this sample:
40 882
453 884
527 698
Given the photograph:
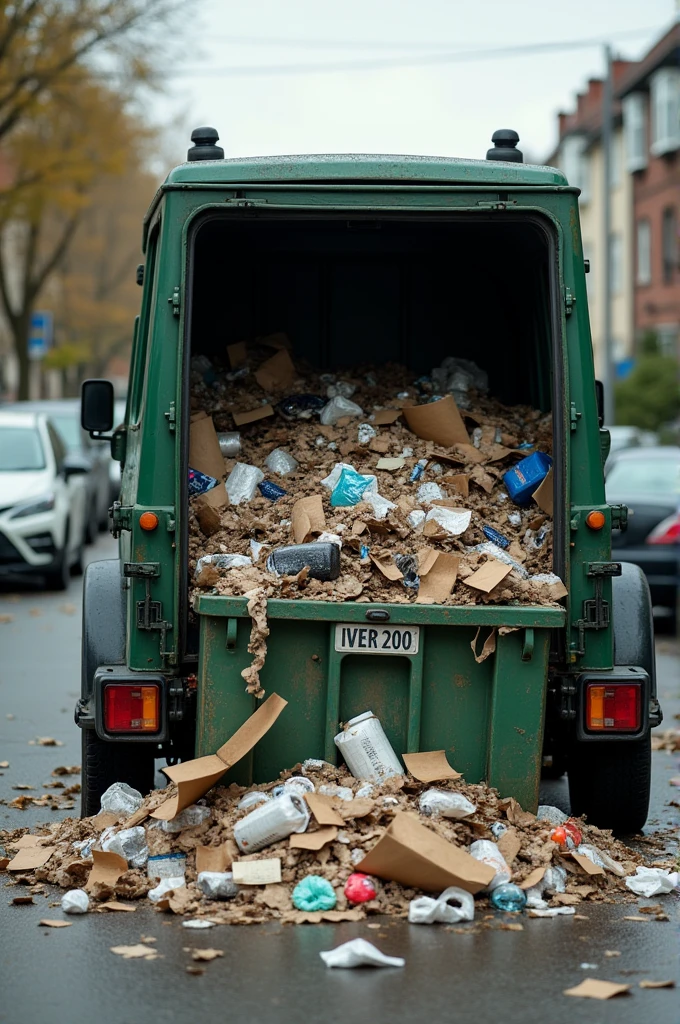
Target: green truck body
298 244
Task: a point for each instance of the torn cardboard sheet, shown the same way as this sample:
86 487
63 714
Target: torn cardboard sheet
488 576
106 868
31 857
257 645
215 498
391 465
195 778
592 988
430 766
460 483
261 412
276 373
439 581
509 845
437 421
313 840
386 416
204 449
533 879
117 906
213 858
323 810
587 864
308 518
25 842
237 354
488 648
410 853
543 495
388 569
257 872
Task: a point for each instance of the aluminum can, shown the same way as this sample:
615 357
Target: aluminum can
367 750
272 821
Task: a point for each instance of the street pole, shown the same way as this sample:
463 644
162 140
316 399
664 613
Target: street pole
607 119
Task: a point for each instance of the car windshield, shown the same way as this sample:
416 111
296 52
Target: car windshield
644 476
21 450
68 427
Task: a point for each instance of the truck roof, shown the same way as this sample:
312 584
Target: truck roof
353 167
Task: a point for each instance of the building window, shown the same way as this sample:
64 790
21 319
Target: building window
667 336
665 86
635 130
669 235
615 263
644 252
575 164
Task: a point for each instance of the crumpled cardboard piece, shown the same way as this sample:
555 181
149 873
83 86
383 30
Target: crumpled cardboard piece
322 808
237 354
509 845
307 518
586 864
276 373
593 988
106 869
488 648
313 840
261 412
438 421
410 853
257 644
430 766
388 569
30 857
534 878
195 778
543 495
204 449
213 858
439 580
386 416
488 576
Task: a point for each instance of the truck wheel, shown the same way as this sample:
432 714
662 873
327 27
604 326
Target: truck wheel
609 783
105 763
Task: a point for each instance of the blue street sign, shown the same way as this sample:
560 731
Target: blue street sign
40 337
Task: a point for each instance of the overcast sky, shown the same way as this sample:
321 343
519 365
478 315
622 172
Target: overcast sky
446 108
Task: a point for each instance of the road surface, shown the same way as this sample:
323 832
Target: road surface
274 973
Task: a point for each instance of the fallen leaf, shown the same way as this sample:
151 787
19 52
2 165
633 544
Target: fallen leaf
137 952
6 618
114 905
35 612
632 917
55 924
191 969
67 609
23 785
612 952
4 764
148 938
508 926
20 900
646 983
594 989
206 954
67 769
48 741
10 718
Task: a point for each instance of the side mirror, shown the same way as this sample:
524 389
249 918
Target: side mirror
96 406
599 397
75 465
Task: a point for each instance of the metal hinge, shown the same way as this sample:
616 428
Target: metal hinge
574 416
569 302
497 205
150 613
170 417
175 300
596 611
619 514
567 693
121 518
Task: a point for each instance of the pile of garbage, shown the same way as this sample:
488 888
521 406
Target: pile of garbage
331 843
366 485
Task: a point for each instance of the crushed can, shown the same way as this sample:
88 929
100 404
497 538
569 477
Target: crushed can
367 750
272 821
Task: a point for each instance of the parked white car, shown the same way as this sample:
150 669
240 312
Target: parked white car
43 501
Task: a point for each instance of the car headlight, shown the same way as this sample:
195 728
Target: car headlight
34 507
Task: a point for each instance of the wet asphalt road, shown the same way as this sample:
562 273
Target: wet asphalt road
272 973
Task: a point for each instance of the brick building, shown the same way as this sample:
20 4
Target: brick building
649 94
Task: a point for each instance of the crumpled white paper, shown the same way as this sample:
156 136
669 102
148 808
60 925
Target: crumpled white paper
427 910
653 881
552 912
359 953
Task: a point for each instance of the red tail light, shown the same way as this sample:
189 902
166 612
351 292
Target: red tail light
667 532
614 707
131 708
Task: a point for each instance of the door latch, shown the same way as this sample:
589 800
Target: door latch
121 518
596 611
175 300
150 613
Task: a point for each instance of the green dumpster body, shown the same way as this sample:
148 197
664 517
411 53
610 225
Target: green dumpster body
487 716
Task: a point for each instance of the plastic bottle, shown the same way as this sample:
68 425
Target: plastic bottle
367 750
509 898
418 471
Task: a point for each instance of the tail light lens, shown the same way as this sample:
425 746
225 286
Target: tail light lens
614 707
131 708
667 532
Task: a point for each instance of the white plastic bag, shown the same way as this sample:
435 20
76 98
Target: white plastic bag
488 853
427 910
194 814
217 885
242 482
546 812
441 803
76 901
430 492
129 843
165 886
359 953
455 521
337 408
121 799
280 461
221 562
653 881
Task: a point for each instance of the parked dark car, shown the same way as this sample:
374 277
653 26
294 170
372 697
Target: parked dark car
647 480
65 415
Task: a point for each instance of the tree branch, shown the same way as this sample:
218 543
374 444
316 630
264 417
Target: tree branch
57 254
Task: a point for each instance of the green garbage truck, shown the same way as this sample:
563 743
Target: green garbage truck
368 259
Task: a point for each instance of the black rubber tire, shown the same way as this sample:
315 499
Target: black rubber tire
105 763
610 784
78 567
91 523
59 576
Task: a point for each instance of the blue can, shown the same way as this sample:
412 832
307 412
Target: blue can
495 537
523 479
199 482
271 491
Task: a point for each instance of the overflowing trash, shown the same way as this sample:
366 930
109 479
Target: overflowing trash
388 469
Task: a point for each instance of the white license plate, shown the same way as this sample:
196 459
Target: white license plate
352 638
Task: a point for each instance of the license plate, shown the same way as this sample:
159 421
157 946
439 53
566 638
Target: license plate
351 638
